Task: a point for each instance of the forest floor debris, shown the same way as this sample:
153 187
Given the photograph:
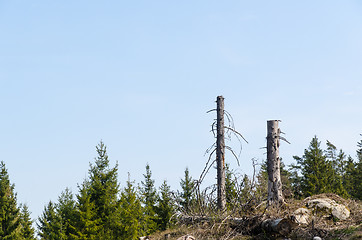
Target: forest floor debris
322 226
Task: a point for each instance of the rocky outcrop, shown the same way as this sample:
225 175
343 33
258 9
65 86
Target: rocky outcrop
329 208
302 215
324 207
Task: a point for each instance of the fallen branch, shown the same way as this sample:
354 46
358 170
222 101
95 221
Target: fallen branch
251 225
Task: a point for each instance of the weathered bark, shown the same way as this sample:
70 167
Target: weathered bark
275 194
220 154
282 226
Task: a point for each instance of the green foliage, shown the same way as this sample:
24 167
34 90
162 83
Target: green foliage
102 211
10 222
187 194
130 213
246 190
15 222
27 231
103 190
357 173
86 225
149 200
323 171
94 215
358 181
336 166
165 208
349 176
315 170
262 185
66 211
50 224
359 151
230 188
103 186
261 191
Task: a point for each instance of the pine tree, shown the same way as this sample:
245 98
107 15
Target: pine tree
27 230
50 224
10 222
103 191
187 194
130 214
315 170
165 208
149 199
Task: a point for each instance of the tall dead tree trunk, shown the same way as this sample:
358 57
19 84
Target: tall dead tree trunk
275 195
220 154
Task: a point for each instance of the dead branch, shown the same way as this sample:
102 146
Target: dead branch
280 226
230 119
285 140
209 149
206 170
236 157
236 133
213 129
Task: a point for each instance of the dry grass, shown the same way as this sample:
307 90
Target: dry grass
327 228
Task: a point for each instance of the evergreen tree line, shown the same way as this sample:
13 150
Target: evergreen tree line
102 210
319 171
327 171
15 221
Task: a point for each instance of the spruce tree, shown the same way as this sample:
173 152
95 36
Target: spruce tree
315 170
261 191
149 200
131 223
336 164
357 179
10 222
103 191
246 190
27 230
230 188
86 225
359 151
187 194
165 208
349 177
50 224
66 211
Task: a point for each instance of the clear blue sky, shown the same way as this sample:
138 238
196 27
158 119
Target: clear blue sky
140 75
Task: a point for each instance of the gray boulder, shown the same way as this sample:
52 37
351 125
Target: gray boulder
328 207
302 215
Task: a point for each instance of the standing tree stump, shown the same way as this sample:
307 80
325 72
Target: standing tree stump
220 154
275 194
